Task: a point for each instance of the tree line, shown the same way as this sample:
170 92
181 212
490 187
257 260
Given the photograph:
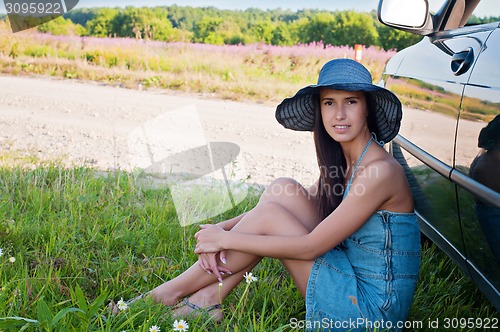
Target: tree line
210 25
215 26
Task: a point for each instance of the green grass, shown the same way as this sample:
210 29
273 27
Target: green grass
82 238
443 292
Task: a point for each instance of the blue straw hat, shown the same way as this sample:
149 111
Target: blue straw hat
297 112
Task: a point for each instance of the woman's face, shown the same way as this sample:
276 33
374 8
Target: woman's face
344 114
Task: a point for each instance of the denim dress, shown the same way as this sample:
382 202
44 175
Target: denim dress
368 281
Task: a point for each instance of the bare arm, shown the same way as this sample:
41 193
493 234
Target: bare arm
345 220
351 214
230 223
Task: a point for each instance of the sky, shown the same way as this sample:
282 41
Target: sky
485 8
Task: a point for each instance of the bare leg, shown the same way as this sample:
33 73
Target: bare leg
214 294
285 208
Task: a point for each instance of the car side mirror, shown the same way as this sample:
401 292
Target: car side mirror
407 15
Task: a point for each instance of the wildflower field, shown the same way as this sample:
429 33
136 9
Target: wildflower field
74 239
257 72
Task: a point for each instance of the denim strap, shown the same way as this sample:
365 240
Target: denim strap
357 164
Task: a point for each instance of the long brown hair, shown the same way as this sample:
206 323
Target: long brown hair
331 160
332 166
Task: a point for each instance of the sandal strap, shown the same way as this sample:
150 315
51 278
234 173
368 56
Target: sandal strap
139 297
213 307
193 306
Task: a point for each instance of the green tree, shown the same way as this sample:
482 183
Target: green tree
183 17
282 35
352 28
482 20
206 29
316 28
390 38
339 28
215 26
81 16
143 23
62 26
262 31
102 24
229 32
214 39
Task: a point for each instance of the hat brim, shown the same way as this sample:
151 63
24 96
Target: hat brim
298 112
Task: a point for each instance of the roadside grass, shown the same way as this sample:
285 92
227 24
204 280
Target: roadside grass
446 295
81 238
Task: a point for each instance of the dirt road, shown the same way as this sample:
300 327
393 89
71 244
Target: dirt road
93 124
104 126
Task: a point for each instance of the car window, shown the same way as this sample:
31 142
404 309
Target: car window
434 5
468 12
487 11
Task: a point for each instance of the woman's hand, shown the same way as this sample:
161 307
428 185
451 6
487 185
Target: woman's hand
209 239
208 247
209 263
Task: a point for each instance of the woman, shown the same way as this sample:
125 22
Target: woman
354 254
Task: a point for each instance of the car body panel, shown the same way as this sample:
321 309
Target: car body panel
449 84
480 219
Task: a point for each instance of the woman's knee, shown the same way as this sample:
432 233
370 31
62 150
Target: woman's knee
273 218
293 197
282 187
270 208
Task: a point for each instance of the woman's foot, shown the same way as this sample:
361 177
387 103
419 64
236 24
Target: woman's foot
186 308
166 295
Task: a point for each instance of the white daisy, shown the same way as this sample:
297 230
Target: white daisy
249 278
181 325
122 305
1 252
154 328
12 259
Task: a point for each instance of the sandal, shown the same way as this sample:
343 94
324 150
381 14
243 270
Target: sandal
197 310
137 298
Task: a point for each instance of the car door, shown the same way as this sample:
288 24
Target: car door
477 162
429 78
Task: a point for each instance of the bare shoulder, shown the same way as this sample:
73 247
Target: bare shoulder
387 177
383 167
